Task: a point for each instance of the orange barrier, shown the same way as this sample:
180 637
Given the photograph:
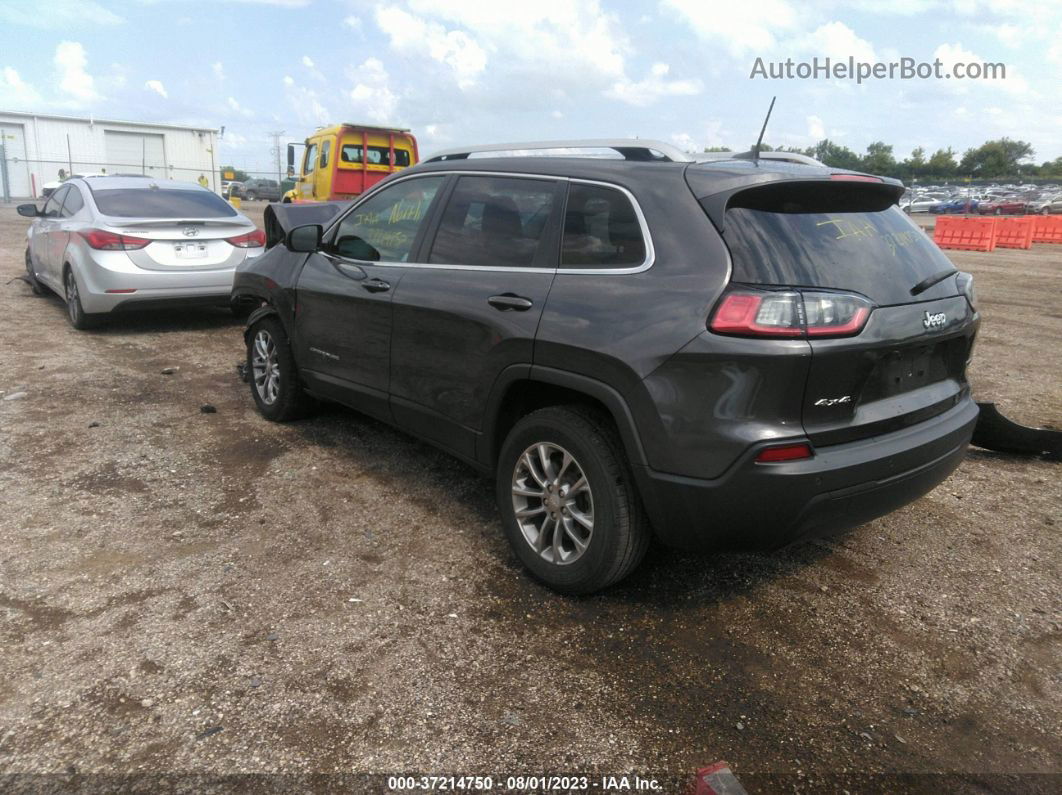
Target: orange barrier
1047 229
968 234
1014 232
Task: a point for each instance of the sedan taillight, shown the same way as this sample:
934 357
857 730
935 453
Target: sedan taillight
790 313
255 239
102 240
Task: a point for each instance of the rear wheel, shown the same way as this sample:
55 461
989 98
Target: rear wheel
75 312
568 501
251 196
274 379
31 276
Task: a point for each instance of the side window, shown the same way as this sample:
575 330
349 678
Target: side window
326 149
55 202
401 158
601 229
311 159
73 203
494 221
384 227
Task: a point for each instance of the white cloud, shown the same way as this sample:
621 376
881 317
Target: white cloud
307 62
352 22
521 37
412 35
952 54
218 68
70 61
57 14
15 91
238 108
372 95
837 41
306 104
743 27
157 87
654 86
816 129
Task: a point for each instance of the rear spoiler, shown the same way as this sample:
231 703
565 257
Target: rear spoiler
279 219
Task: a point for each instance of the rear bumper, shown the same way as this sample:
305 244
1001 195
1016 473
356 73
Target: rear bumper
770 505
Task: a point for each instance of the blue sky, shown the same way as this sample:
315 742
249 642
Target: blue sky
489 70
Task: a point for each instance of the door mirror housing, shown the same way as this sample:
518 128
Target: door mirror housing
304 239
28 210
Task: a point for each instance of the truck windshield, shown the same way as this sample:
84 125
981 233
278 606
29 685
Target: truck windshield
377 155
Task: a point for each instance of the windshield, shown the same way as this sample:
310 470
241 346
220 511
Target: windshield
156 203
881 254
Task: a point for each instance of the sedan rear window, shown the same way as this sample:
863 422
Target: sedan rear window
148 203
844 245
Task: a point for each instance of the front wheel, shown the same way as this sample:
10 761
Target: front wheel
568 501
31 276
250 197
274 379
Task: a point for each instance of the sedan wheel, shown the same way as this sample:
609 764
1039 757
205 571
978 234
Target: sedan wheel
79 319
553 503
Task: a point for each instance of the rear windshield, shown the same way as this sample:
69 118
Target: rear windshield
878 252
375 155
155 203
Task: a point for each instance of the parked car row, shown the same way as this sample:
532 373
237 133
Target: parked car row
580 330
994 200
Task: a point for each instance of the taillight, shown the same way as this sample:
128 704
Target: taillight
784 452
790 313
109 241
254 239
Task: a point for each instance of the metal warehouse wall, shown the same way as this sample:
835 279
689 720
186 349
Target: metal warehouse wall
36 147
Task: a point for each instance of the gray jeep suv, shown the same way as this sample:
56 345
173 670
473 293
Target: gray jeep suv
729 353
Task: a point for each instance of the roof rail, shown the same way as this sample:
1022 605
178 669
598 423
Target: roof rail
643 149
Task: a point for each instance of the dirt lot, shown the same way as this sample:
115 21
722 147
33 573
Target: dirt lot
337 598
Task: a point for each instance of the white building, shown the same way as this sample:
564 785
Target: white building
37 145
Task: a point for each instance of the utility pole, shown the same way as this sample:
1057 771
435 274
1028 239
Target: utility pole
275 151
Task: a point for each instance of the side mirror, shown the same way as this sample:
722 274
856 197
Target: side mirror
28 210
304 239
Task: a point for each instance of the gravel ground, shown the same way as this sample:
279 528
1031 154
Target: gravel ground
189 593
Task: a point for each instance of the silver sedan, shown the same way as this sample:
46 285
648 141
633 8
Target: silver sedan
109 244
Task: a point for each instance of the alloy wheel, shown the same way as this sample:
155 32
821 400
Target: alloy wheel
265 367
553 503
73 298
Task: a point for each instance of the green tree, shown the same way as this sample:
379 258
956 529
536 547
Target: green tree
942 163
834 155
717 149
999 158
915 165
879 159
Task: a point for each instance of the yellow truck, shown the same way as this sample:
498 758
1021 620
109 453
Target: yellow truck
345 160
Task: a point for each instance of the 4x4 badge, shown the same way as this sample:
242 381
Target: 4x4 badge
934 320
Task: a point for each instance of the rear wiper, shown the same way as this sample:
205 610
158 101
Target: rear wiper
929 281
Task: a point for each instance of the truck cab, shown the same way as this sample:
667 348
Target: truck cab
345 160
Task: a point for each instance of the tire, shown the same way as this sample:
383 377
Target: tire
250 197
619 532
269 351
75 312
31 277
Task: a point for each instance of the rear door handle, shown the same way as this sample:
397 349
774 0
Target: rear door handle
376 286
509 302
